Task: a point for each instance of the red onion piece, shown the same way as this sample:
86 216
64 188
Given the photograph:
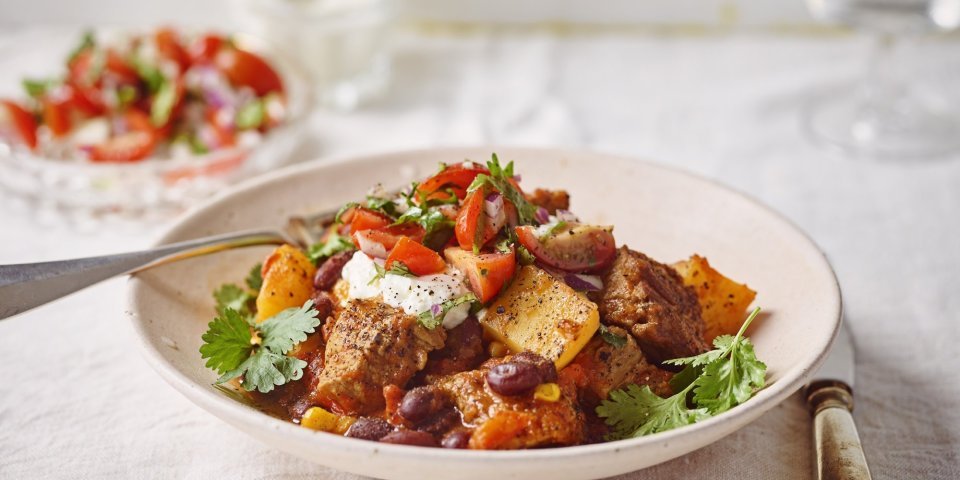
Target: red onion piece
370 247
493 206
585 283
436 309
566 216
542 215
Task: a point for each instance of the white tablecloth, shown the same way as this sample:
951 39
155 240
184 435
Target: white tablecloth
77 401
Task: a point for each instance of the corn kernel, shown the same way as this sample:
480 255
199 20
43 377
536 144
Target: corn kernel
343 424
498 349
548 392
317 418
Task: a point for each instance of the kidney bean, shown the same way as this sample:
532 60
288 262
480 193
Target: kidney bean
323 303
369 428
456 439
548 371
410 437
422 402
513 378
441 422
329 271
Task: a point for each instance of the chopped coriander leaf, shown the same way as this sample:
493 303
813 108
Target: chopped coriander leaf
343 209
251 115
504 245
231 348
400 268
524 256
254 279
381 272
334 244
37 88
150 74
87 41
126 94
230 296
431 219
385 205
163 103
553 229
618 341
719 380
430 320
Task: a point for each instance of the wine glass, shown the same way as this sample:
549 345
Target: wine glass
884 116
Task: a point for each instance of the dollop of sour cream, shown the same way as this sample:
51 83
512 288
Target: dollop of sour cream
414 295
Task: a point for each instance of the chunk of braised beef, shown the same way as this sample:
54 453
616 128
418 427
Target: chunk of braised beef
552 200
369 428
329 271
462 351
649 300
410 437
440 422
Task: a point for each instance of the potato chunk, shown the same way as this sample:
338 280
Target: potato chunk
287 281
723 302
540 313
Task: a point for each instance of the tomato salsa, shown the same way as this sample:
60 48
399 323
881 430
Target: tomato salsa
158 95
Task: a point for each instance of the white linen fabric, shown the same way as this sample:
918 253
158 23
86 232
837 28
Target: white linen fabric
77 400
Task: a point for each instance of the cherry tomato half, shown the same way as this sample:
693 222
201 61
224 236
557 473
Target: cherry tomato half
419 260
572 248
24 125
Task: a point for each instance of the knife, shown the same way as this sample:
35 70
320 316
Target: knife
830 398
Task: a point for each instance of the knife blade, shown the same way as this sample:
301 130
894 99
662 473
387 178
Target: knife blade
839 453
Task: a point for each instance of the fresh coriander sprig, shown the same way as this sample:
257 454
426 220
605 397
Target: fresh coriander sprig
719 380
232 349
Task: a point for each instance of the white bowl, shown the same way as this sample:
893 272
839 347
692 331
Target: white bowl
663 212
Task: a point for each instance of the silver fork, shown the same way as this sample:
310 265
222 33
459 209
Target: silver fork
28 285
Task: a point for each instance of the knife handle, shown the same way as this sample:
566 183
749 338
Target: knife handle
839 452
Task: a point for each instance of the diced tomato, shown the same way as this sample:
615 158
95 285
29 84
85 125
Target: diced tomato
366 219
374 243
473 226
168 45
419 260
120 69
574 248
135 144
86 100
128 147
56 115
81 69
137 120
23 123
487 272
244 68
205 48
457 177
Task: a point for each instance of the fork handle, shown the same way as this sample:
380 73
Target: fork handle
839 452
28 285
